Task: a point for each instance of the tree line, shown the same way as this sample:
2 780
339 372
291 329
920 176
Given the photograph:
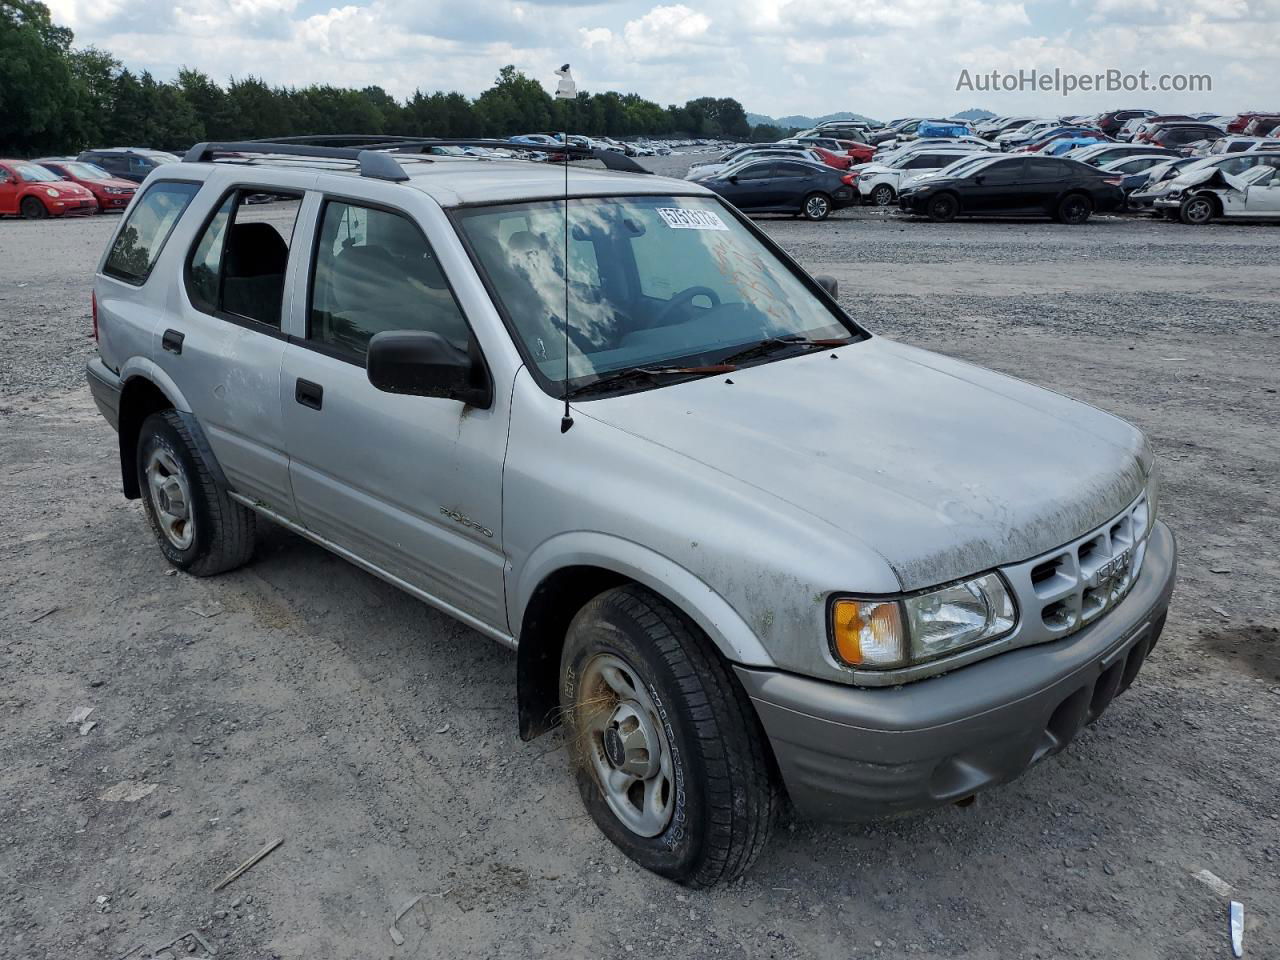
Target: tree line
55 98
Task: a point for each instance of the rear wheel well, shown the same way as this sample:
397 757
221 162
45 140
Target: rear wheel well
138 400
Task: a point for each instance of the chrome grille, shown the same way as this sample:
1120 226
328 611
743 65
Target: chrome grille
1070 587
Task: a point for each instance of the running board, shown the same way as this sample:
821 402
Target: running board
479 626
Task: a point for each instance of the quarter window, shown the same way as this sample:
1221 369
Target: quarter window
375 272
238 264
141 238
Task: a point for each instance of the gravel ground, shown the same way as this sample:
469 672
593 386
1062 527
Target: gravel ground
300 698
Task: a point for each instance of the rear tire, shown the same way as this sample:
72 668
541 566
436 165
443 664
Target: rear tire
200 529
668 754
817 206
33 209
943 208
1074 209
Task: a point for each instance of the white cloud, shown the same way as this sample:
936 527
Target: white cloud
879 57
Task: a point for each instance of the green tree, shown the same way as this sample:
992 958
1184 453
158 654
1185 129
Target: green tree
38 99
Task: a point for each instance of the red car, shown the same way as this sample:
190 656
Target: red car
112 193
860 152
29 190
1243 120
840 161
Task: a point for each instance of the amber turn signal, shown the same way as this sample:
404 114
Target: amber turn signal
868 633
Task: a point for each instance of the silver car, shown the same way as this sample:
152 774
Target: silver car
744 548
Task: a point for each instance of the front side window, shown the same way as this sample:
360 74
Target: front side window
676 281
375 272
757 171
1005 171
237 266
141 238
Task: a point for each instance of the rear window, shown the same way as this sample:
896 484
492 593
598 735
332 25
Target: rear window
141 238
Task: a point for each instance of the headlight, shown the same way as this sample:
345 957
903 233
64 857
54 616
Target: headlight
50 191
883 634
120 191
1173 195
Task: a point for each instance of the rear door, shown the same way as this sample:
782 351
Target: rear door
226 344
409 485
1042 184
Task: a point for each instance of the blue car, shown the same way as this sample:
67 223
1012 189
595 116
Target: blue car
935 129
1066 144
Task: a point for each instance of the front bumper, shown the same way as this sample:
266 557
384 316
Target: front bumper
105 387
859 753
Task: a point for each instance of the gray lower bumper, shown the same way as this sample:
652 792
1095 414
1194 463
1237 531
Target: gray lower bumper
857 753
105 387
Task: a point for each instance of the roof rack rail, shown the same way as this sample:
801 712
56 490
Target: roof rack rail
381 166
375 153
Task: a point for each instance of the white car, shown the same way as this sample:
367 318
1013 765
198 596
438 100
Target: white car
1242 145
704 170
1134 163
1211 193
1098 154
1231 164
879 183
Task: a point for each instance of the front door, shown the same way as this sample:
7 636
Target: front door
411 485
1262 198
8 192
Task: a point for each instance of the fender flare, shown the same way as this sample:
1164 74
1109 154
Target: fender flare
148 370
732 636
140 368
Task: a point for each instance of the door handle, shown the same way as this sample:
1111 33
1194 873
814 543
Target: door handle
308 394
172 341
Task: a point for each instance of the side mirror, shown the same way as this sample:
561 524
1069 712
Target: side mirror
980 178
426 365
733 178
828 283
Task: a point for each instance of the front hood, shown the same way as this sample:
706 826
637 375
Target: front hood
117 182
942 468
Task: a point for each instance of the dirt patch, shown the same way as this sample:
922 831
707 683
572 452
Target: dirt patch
1252 646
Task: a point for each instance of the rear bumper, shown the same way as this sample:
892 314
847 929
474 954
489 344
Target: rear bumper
858 753
105 387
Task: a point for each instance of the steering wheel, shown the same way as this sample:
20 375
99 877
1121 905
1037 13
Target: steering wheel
684 298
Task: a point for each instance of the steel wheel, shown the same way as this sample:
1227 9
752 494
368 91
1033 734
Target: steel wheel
1197 211
816 207
170 495
625 746
882 195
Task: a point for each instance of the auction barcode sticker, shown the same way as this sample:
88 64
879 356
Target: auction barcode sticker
681 219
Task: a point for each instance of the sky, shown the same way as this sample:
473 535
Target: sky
881 58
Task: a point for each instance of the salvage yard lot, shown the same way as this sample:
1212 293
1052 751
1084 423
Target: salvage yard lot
301 698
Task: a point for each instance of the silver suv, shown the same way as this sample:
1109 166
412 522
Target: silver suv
746 550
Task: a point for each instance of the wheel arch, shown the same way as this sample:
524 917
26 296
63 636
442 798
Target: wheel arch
566 572
146 389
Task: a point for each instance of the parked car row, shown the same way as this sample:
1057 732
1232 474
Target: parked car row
95 181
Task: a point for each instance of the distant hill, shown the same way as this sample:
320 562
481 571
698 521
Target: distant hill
802 122
974 114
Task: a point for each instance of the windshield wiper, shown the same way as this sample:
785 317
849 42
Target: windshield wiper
774 344
622 378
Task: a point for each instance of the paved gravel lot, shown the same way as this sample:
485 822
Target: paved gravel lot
300 698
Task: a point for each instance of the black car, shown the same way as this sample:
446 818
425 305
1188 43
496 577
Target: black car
130 163
1067 190
776 185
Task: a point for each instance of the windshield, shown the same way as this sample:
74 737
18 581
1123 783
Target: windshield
33 171
654 282
86 171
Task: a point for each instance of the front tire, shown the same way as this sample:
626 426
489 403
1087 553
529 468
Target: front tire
882 195
200 529
1196 211
667 751
817 206
33 209
943 208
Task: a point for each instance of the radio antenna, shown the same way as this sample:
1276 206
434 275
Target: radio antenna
566 89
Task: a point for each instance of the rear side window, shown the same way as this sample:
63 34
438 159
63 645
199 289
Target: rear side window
237 267
1044 170
375 272
138 244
